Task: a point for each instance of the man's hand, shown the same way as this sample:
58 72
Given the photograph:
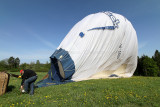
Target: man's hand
19 76
21 86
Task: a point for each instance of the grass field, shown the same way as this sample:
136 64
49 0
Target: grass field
135 91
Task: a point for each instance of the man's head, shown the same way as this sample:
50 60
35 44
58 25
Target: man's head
22 72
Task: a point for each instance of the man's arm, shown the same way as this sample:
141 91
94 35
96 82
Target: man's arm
23 79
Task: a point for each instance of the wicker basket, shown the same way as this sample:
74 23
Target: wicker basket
4 80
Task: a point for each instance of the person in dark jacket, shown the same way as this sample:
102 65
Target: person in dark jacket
28 79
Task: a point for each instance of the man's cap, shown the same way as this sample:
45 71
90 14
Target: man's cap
21 71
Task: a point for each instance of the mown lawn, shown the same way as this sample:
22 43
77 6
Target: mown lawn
135 91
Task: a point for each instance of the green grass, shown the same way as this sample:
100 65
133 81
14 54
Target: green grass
135 91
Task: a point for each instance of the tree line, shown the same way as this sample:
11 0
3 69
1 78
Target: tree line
13 65
10 63
146 66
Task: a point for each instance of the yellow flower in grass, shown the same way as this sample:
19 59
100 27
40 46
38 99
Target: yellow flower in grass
107 98
54 101
116 97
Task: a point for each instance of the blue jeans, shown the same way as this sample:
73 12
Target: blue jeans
30 81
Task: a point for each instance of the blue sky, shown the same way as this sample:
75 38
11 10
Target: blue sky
33 29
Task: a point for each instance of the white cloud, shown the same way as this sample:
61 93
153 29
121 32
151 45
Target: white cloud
142 45
41 39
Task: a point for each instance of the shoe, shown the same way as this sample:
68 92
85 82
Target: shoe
23 91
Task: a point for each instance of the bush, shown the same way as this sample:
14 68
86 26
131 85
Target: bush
41 70
3 65
15 70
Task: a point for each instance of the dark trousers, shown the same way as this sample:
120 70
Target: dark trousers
30 82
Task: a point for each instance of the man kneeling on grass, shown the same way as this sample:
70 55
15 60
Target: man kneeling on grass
28 79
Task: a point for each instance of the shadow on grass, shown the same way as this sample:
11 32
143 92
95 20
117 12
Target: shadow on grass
10 88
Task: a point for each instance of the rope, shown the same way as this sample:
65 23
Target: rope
114 21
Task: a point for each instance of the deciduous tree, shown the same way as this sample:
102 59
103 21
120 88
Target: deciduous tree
11 62
17 62
149 67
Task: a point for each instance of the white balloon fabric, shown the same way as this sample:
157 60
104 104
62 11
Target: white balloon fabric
102 45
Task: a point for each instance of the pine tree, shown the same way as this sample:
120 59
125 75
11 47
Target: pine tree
156 57
37 66
38 62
